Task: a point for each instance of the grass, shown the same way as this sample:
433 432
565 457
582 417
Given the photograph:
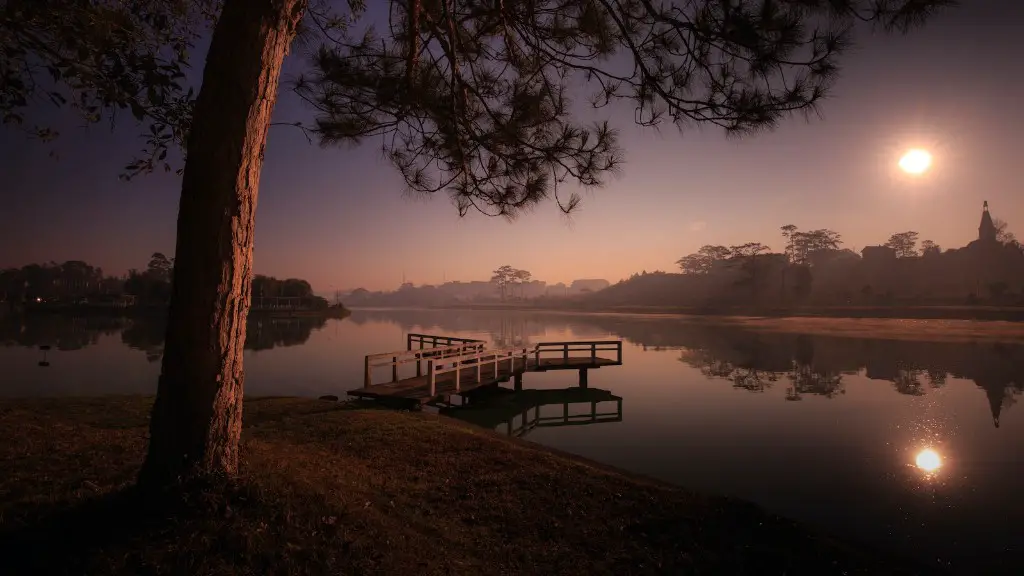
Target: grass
327 489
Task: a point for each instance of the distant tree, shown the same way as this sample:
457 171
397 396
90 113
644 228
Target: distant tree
1003 234
748 250
929 247
521 278
787 232
750 259
704 260
160 267
803 245
503 278
903 244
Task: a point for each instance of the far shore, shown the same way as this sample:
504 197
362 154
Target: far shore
327 487
334 311
926 329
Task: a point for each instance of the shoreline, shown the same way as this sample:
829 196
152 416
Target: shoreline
161 311
334 487
914 329
924 312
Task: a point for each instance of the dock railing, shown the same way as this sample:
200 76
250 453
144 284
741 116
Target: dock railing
564 349
434 341
481 359
400 357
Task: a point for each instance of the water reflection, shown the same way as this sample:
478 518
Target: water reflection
519 412
145 334
816 365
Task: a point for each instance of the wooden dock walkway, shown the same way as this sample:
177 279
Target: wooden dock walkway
458 365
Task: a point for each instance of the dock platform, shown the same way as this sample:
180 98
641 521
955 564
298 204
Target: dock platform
457 366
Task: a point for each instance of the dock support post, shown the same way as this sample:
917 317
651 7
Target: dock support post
583 377
366 373
565 353
419 362
618 349
593 353
394 369
517 382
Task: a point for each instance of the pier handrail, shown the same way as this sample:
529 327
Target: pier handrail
592 346
400 357
435 339
479 359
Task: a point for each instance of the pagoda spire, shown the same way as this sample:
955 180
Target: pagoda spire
987 228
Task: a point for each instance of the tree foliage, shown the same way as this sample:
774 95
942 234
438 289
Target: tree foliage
704 260
507 277
1003 234
929 247
475 98
802 246
904 244
103 58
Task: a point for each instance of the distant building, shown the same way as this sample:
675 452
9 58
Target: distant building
987 228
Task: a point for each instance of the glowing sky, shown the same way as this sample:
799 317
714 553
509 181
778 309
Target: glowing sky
337 217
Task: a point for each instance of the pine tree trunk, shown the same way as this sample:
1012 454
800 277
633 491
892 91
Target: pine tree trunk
197 418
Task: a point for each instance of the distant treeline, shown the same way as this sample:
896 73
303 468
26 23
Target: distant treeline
815 270
78 283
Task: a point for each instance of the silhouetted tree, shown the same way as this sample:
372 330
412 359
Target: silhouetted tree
521 278
787 232
502 278
1003 234
802 245
903 244
929 247
704 260
160 267
473 98
751 261
102 57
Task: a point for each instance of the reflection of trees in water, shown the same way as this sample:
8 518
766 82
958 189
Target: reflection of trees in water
268 332
143 333
62 332
818 363
504 329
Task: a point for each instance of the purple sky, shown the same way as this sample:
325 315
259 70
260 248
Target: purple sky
338 218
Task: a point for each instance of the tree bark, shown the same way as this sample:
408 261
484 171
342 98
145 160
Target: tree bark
197 418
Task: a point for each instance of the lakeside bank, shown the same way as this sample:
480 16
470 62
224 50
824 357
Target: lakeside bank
328 488
915 329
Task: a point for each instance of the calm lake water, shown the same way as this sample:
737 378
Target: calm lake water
825 430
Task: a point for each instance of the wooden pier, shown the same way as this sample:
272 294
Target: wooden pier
447 365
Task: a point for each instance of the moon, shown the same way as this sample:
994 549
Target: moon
916 161
928 460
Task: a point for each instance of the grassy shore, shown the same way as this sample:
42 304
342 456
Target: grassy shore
327 489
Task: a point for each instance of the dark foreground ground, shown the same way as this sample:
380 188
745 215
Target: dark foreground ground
327 489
